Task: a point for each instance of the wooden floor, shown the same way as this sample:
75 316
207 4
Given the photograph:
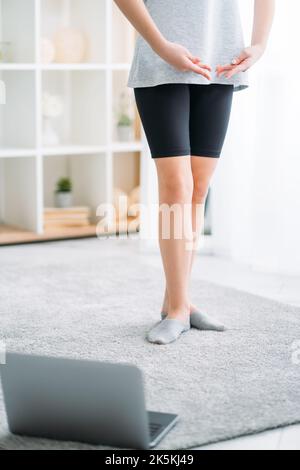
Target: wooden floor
14 236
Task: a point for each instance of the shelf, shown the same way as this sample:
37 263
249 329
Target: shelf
91 150
66 67
16 67
120 67
14 235
73 150
118 147
10 235
16 153
85 66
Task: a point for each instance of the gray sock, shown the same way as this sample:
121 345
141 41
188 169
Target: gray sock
167 331
201 321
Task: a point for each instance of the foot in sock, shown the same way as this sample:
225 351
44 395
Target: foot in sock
201 321
167 331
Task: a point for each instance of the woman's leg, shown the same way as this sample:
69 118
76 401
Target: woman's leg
202 171
210 108
175 181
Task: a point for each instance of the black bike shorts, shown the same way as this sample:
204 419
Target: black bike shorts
185 119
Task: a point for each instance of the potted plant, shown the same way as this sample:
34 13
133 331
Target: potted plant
125 129
63 193
125 121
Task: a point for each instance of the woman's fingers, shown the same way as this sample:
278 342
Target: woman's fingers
241 63
205 67
229 70
197 61
239 68
200 71
195 65
221 69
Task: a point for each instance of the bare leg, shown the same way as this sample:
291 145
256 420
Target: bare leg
202 171
176 191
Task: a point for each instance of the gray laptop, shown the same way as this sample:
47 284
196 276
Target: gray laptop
82 401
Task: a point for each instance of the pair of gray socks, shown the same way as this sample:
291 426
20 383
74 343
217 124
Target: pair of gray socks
169 330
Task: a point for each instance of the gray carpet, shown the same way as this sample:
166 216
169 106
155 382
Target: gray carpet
96 299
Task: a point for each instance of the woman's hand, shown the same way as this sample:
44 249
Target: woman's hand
181 58
242 63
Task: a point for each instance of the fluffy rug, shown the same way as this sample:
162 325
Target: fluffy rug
96 299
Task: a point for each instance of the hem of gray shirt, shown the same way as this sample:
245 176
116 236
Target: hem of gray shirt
237 84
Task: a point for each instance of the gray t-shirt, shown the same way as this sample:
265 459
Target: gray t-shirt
210 29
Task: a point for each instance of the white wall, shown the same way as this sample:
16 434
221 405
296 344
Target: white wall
256 204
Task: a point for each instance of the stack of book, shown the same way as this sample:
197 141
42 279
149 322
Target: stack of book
63 218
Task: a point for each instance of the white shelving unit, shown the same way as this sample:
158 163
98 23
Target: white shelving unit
89 151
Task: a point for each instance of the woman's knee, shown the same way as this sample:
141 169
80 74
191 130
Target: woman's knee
200 191
177 188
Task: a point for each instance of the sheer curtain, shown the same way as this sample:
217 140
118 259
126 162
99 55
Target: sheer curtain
256 190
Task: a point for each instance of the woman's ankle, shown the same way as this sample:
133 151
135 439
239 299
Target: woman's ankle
165 305
180 310
166 308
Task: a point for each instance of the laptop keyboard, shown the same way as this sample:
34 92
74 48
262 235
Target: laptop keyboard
154 429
